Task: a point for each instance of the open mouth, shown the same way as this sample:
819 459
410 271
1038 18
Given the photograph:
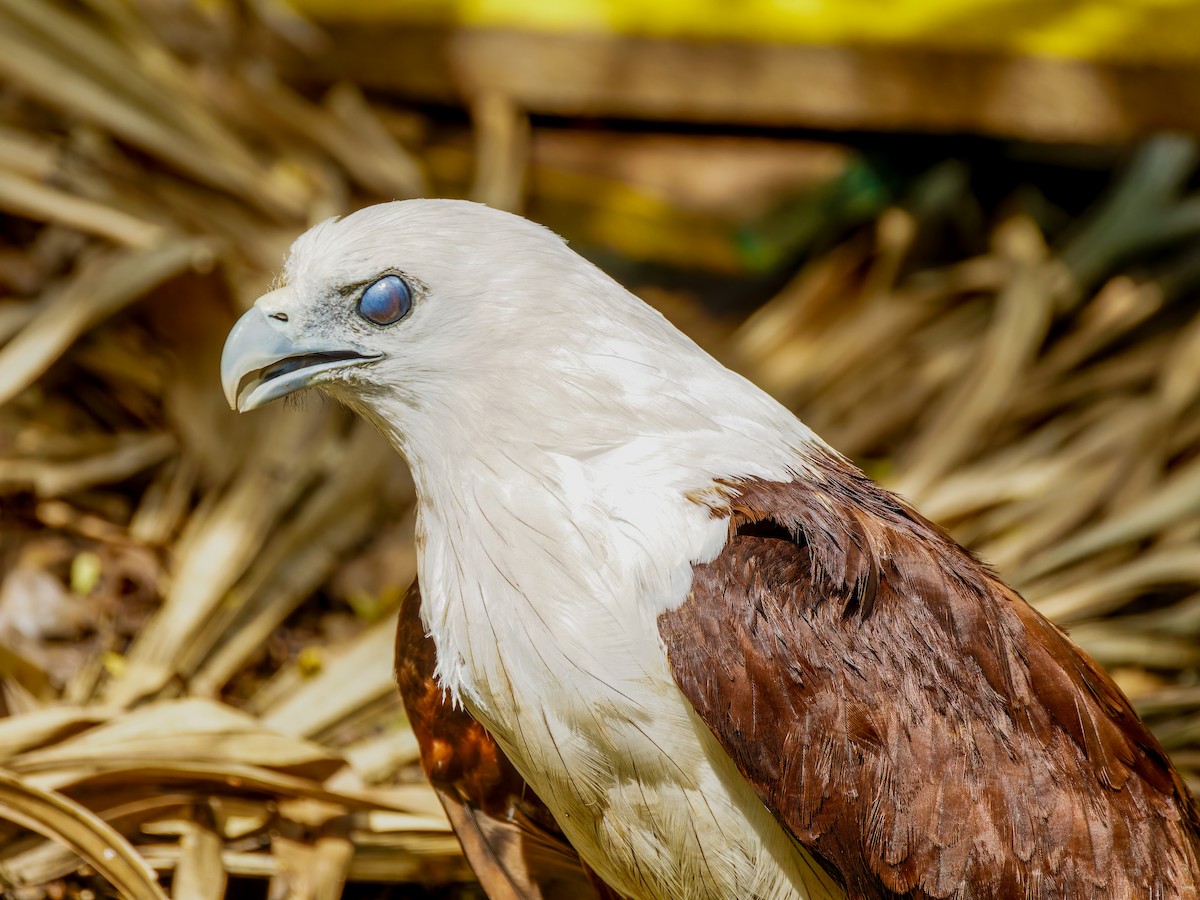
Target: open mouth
292 373
304 361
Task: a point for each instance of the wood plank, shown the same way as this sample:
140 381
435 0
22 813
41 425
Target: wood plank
765 85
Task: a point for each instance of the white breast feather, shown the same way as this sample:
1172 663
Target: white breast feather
543 574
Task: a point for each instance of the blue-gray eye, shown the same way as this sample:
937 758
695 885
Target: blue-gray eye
385 301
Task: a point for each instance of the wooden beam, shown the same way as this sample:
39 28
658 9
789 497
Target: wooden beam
771 85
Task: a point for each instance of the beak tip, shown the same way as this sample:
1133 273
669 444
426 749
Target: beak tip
251 343
231 396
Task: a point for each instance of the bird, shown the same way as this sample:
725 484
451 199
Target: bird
665 642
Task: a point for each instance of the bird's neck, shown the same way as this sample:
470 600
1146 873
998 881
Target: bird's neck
539 569
558 521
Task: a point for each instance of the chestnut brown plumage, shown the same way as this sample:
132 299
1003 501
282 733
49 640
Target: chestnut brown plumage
911 719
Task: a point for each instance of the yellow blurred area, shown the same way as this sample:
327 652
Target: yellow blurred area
1159 31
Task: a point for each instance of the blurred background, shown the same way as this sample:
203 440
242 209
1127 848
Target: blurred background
960 238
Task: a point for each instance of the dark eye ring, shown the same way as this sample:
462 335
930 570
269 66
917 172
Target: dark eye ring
385 301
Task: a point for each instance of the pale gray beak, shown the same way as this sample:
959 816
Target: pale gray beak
261 363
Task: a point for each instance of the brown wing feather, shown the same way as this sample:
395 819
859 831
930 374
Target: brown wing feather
508 835
911 719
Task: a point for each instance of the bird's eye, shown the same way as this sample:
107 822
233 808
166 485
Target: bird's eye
385 301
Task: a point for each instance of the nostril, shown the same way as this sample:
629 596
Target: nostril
279 316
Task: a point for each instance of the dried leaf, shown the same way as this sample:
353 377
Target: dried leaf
64 820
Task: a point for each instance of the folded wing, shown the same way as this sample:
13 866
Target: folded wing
909 718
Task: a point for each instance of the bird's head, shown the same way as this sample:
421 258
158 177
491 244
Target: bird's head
405 296
454 327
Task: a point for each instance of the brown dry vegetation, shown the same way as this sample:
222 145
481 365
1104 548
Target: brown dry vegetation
196 608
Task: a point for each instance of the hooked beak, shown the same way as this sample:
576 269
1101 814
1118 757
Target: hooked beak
260 363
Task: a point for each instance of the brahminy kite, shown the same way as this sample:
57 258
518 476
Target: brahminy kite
667 643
